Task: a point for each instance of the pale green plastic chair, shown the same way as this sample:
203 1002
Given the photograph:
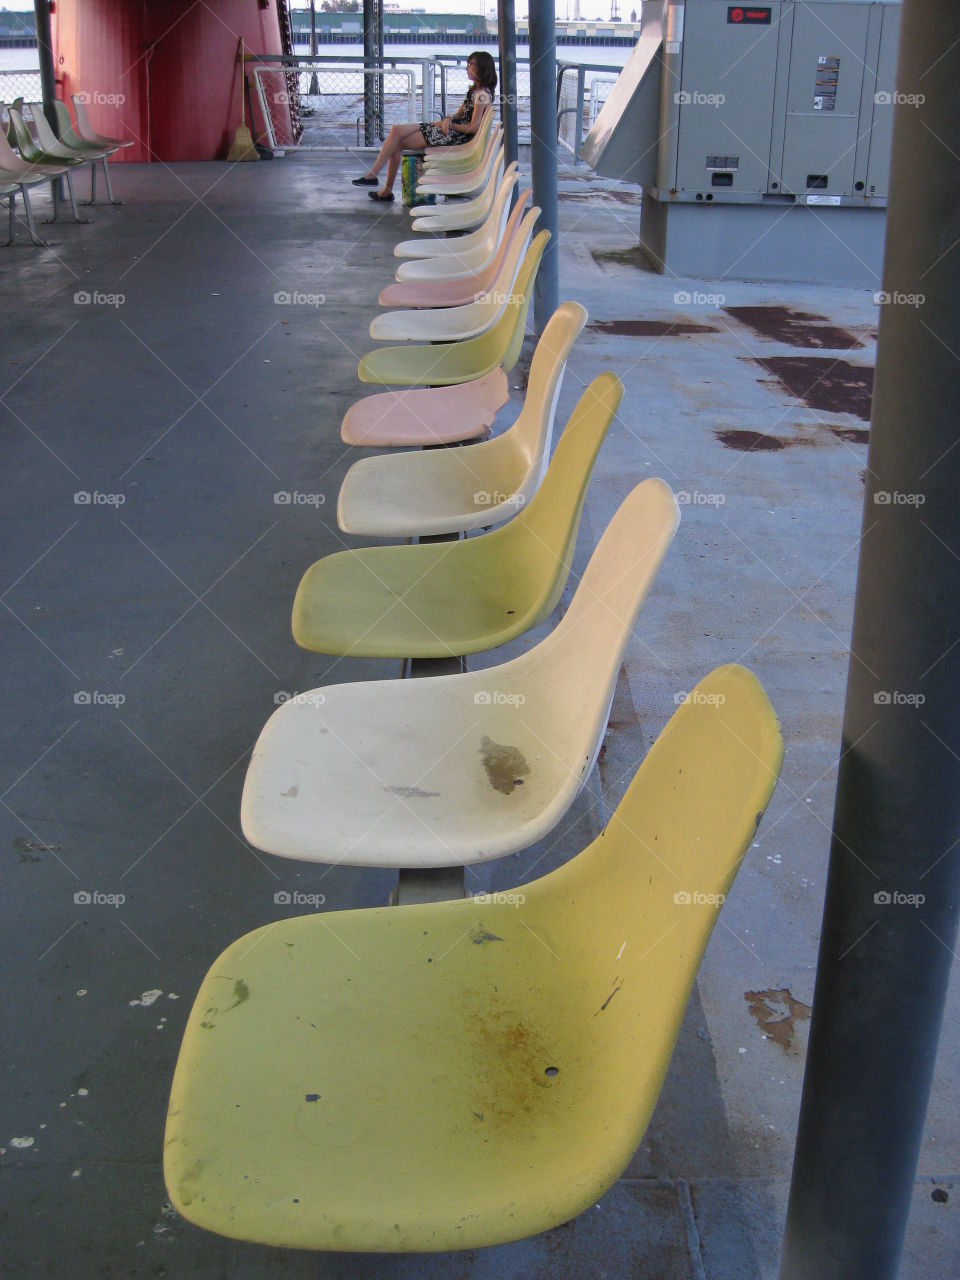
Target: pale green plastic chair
435 491
485 237
453 362
456 159
426 416
450 288
469 182
50 163
461 1074
459 769
440 600
18 177
87 131
463 215
60 149
96 152
456 323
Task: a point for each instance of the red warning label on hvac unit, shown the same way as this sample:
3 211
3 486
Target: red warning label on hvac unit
742 15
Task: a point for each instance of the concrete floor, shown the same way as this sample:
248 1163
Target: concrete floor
196 399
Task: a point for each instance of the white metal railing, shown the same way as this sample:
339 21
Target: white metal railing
334 94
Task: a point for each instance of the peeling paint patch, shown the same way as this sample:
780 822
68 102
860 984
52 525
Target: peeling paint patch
824 384
412 793
649 328
776 1013
795 328
147 998
21 1144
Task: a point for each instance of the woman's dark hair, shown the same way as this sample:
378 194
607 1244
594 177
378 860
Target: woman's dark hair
486 69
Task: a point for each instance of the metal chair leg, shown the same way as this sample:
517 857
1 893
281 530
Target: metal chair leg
9 199
73 200
93 184
106 178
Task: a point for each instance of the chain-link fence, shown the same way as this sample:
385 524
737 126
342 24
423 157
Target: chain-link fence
20 84
331 101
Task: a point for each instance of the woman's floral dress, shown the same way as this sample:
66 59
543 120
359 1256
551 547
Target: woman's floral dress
433 136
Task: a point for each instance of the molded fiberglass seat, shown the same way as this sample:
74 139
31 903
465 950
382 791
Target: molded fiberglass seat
466 1073
434 491
443 599
467 214
96 153
462 768
452 362
463 155
453 324
468 182
427 416
87 131
16 168
458 246
454 288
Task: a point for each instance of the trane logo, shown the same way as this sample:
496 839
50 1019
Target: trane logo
745 17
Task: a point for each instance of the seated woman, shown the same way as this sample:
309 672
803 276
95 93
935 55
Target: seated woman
449 132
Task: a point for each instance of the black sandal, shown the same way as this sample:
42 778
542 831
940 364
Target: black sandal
366 182
375 195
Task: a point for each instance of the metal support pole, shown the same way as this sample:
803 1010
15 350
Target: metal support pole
381 100
48 81
314 81
893 887
369 60
543 152
507 40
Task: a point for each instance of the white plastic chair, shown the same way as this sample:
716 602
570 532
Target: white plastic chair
453 324
434 491
441 247
459 769
470 181
469 214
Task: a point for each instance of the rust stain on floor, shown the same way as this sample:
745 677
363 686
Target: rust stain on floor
649 328
776 1013
796 328
824 384
751 441
853 435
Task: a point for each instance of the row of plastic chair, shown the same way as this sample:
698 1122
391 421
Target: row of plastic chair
31 153
462 1073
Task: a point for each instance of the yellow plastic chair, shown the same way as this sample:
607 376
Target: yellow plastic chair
466 214
463 768
426 416
440 600
410 495
467 1073
455 323
455 159
458 246
468 182
452 362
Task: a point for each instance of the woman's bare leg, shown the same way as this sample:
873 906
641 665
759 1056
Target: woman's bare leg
400 136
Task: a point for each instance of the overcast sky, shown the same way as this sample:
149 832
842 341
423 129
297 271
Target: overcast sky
591 9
